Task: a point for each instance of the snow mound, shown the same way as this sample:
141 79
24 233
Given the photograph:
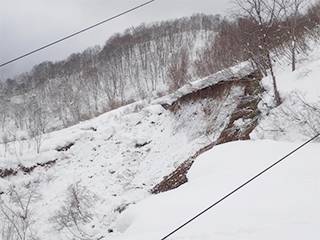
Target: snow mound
283 203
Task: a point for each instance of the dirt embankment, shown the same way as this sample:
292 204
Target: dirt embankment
246 111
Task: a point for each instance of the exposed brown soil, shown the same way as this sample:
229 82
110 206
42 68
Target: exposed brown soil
65 148
246 109
179 176
8 172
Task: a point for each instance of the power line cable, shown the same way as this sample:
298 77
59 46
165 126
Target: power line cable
232 192
76 33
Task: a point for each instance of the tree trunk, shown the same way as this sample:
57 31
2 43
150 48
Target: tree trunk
274 82
293 57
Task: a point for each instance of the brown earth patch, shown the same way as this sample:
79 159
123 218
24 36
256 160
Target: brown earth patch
247 109
8 172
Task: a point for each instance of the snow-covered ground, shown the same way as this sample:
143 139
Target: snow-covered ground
116 158
283 203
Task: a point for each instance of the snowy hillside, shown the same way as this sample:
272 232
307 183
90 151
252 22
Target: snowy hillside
281 204
111 161
88 181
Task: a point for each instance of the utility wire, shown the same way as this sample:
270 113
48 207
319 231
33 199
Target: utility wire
183 225
76 33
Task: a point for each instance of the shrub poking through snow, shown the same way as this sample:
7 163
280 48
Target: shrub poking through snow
75 211
16 215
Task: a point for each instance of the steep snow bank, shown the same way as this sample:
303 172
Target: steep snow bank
281 204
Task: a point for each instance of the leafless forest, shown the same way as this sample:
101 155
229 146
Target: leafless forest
154 59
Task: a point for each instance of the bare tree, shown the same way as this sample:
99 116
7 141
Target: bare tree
75 211
38 124
16 214
178 70
313 14
5 141
265 14
307 114
4 110
293 25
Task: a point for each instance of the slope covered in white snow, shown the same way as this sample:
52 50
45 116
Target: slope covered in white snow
111 162
283 203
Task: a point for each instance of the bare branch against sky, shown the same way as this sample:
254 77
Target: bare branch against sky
28 25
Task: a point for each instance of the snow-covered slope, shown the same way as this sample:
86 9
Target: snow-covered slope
281 204
88 180
299 116
111 161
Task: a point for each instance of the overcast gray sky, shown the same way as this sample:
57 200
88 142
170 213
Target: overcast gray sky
26 25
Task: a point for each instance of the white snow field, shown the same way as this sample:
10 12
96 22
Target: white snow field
283 203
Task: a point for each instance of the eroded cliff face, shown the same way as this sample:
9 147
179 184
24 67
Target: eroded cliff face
223 112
